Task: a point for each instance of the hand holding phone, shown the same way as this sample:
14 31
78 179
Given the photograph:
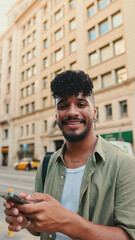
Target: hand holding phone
11 197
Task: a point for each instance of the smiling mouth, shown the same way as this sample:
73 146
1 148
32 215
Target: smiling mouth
73 121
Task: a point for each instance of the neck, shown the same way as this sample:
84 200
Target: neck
77 153
88 143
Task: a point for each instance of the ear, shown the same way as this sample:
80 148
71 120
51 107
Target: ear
95 113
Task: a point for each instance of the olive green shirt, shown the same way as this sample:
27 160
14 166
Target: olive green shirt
107 195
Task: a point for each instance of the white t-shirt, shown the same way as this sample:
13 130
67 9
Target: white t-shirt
71 193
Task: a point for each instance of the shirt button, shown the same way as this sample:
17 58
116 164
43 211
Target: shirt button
50 236
62 177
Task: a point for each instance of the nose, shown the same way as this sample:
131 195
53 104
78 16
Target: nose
72 111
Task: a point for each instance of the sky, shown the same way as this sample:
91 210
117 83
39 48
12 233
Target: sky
5 6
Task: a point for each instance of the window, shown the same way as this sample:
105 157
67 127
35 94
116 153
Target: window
105 53
92 34
59 54
108 109
5 133
107 80
33 88
45 43
102 4
93 59
27 90
45 125
24 59
27 108
22 93
21 131
45 149
73 66
29 56
22 110
29 72
10 54
72 24
29 39
58 15
71 4
45 25
57 72
45 8
45 61
123 108
8 88
34 70
44 82
7 108
32 106
121 75
27 130
103 27
34 52
91 10
29 24
23 75
73 46
45 102
33 128
9 70
58 34
116 19
24 43
119 46
96 83
34 35
34 19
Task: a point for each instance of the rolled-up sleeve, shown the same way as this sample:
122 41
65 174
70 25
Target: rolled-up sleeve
124 205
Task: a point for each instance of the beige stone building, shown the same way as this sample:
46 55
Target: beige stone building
45 37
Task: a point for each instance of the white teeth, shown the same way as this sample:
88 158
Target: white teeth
73 123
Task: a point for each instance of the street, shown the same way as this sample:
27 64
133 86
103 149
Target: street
18 181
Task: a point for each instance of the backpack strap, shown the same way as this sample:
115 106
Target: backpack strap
45 165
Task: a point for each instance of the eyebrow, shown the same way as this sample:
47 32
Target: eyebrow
78 99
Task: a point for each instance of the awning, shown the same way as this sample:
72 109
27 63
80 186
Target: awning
118 136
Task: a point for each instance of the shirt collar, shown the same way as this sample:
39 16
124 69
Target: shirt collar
98 154
99 151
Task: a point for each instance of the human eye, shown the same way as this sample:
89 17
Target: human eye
81 104
62 106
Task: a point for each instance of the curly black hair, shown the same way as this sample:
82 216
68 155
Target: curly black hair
71 83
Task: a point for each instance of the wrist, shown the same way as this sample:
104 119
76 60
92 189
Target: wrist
30 230
73 225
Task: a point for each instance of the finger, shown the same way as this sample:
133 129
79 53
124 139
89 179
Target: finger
23 195
11 212
7 204
16 224
14 220
38 197
14 228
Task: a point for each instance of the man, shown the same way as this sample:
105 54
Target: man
90 184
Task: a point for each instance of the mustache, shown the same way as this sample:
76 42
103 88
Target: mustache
82 120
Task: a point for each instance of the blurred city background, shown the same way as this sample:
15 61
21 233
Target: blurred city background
46 37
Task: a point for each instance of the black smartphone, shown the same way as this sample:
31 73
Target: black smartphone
11 197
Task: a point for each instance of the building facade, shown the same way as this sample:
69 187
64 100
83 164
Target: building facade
45 37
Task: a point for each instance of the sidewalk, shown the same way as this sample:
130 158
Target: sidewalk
23 235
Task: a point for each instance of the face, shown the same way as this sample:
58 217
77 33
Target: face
75 116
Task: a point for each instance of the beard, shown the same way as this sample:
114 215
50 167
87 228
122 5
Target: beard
74 137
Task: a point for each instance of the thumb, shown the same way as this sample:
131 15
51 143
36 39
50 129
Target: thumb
38 197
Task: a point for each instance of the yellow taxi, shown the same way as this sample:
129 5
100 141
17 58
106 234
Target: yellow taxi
27 164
